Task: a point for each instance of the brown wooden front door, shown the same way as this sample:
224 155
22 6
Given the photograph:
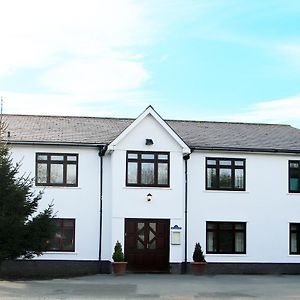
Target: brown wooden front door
147 244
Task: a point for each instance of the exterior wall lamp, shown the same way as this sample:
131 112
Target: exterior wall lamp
149 197
149 142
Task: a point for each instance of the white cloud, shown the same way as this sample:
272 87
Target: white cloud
285 111
291 52
80 47
108 104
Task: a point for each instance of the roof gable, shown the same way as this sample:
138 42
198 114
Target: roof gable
150 111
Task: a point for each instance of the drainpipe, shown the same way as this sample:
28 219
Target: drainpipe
185 158
101 153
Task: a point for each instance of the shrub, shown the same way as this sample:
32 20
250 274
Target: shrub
198 254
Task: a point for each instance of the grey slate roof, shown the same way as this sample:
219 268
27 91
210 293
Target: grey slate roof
196 134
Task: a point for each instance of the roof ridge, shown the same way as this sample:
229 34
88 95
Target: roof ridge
58 116
167 120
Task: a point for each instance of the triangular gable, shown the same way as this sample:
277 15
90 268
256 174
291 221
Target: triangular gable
150 111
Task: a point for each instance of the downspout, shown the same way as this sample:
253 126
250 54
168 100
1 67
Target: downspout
185 158
101 153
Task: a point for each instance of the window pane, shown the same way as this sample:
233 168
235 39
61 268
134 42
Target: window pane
226 242
211 225
211 242
132 156
42 157
239 163
211 178
71 174
68 242
57 157
56 173
225 178
147 176
211 162
240 226
163 156
225 162
41 173
239 178
71 158
294 184
226 226
239 242
147 156
294 242
162 173
294 165
132 172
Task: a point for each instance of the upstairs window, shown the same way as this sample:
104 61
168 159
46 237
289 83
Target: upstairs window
55 169
294 176
64 238
148 169
225 174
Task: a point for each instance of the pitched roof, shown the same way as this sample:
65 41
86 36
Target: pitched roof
196 134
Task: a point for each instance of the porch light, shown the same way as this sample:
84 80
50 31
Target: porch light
149 142
149 197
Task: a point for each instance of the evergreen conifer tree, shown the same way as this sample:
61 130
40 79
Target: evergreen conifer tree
23 232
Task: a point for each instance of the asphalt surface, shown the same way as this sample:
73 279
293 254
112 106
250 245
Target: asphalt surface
171 287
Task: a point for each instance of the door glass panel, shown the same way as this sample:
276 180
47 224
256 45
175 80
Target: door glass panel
152 239
140 245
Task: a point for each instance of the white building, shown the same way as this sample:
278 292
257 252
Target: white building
159 187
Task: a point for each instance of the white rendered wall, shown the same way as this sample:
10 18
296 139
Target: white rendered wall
81 203
266 207
130 202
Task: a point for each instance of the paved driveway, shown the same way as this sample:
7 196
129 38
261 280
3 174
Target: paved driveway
173 287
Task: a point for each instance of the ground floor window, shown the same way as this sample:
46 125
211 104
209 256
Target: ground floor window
294 238
64 238
226 237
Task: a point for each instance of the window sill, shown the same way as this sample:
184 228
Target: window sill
293 194
225 255
42 187
147 187
225 191
60 252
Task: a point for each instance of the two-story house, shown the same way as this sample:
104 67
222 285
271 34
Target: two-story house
159 186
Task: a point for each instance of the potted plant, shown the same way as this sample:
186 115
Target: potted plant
199 264
118 264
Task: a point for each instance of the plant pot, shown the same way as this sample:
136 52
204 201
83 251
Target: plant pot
198 267
119 268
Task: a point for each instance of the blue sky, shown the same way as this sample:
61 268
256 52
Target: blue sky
221 60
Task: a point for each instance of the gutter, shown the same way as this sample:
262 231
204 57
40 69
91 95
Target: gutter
54 144
101 153
237 149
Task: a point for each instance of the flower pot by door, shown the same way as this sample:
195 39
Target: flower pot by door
119 268
198 268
